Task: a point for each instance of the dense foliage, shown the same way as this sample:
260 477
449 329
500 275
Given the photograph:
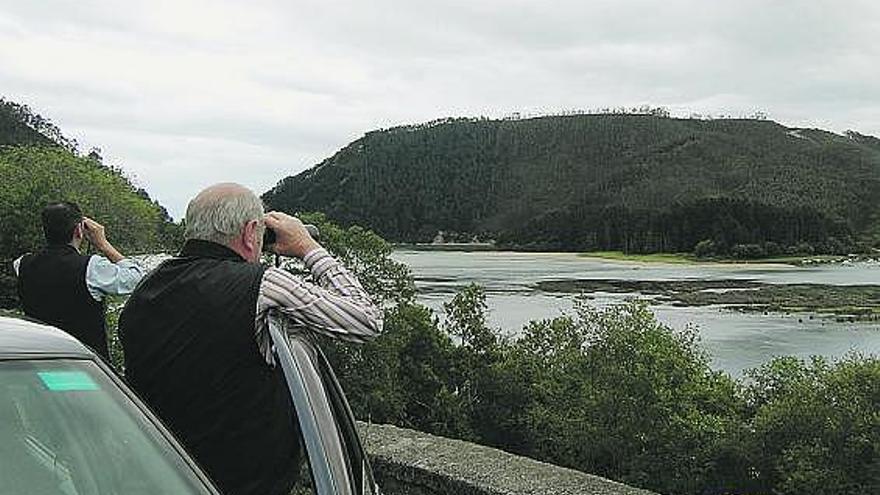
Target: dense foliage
636 183
38 165
816 425
612 392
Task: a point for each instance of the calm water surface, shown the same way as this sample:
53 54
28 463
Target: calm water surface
736 341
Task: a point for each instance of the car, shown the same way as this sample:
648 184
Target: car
336 457
69 425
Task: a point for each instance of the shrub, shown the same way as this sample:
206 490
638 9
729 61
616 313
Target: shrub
619 394
705 249
748 251
772 249
816 425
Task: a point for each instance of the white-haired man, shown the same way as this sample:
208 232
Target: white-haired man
196 341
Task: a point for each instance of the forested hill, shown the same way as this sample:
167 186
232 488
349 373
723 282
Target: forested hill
583 182
38 164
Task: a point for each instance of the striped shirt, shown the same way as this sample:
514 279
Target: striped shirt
336 305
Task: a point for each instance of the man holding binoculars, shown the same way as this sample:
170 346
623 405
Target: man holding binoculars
196 341
62 287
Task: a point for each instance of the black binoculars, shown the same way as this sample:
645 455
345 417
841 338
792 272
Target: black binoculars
269 235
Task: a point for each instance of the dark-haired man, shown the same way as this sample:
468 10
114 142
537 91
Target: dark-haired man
62 287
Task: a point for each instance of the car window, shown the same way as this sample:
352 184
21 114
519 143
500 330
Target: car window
66 428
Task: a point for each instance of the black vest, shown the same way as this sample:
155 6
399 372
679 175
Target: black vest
52 288
190 352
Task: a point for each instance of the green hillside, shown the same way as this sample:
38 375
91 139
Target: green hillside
39 165
638 183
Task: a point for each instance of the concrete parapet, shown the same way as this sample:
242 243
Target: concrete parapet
414 463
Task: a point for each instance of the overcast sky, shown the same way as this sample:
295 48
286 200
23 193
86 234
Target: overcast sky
185 93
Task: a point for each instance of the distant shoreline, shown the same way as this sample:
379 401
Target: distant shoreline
450 246
652 258
690 259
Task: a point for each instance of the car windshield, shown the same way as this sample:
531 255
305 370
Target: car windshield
66 428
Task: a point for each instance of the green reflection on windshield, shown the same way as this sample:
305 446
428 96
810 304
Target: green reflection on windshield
67 381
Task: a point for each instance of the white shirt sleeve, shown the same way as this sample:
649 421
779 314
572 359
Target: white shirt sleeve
106 278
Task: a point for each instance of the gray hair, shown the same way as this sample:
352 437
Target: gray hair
219 212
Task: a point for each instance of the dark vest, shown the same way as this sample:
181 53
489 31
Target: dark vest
52 288
190 352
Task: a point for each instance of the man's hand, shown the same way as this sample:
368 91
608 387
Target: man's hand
291 236
94 232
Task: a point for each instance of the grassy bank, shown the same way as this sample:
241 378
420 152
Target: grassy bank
673 258
448 246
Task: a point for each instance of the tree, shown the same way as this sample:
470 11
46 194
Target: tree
816 427
33 176
616 393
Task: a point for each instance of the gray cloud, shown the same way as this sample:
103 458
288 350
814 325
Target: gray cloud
184 93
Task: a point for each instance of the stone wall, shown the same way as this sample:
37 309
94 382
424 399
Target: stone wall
408 462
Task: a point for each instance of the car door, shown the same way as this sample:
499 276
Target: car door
336 456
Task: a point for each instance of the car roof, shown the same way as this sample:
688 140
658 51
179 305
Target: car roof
22 338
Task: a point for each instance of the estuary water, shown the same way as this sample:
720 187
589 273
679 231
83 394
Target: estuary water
736 341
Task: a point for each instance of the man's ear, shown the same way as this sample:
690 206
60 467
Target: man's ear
249 235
